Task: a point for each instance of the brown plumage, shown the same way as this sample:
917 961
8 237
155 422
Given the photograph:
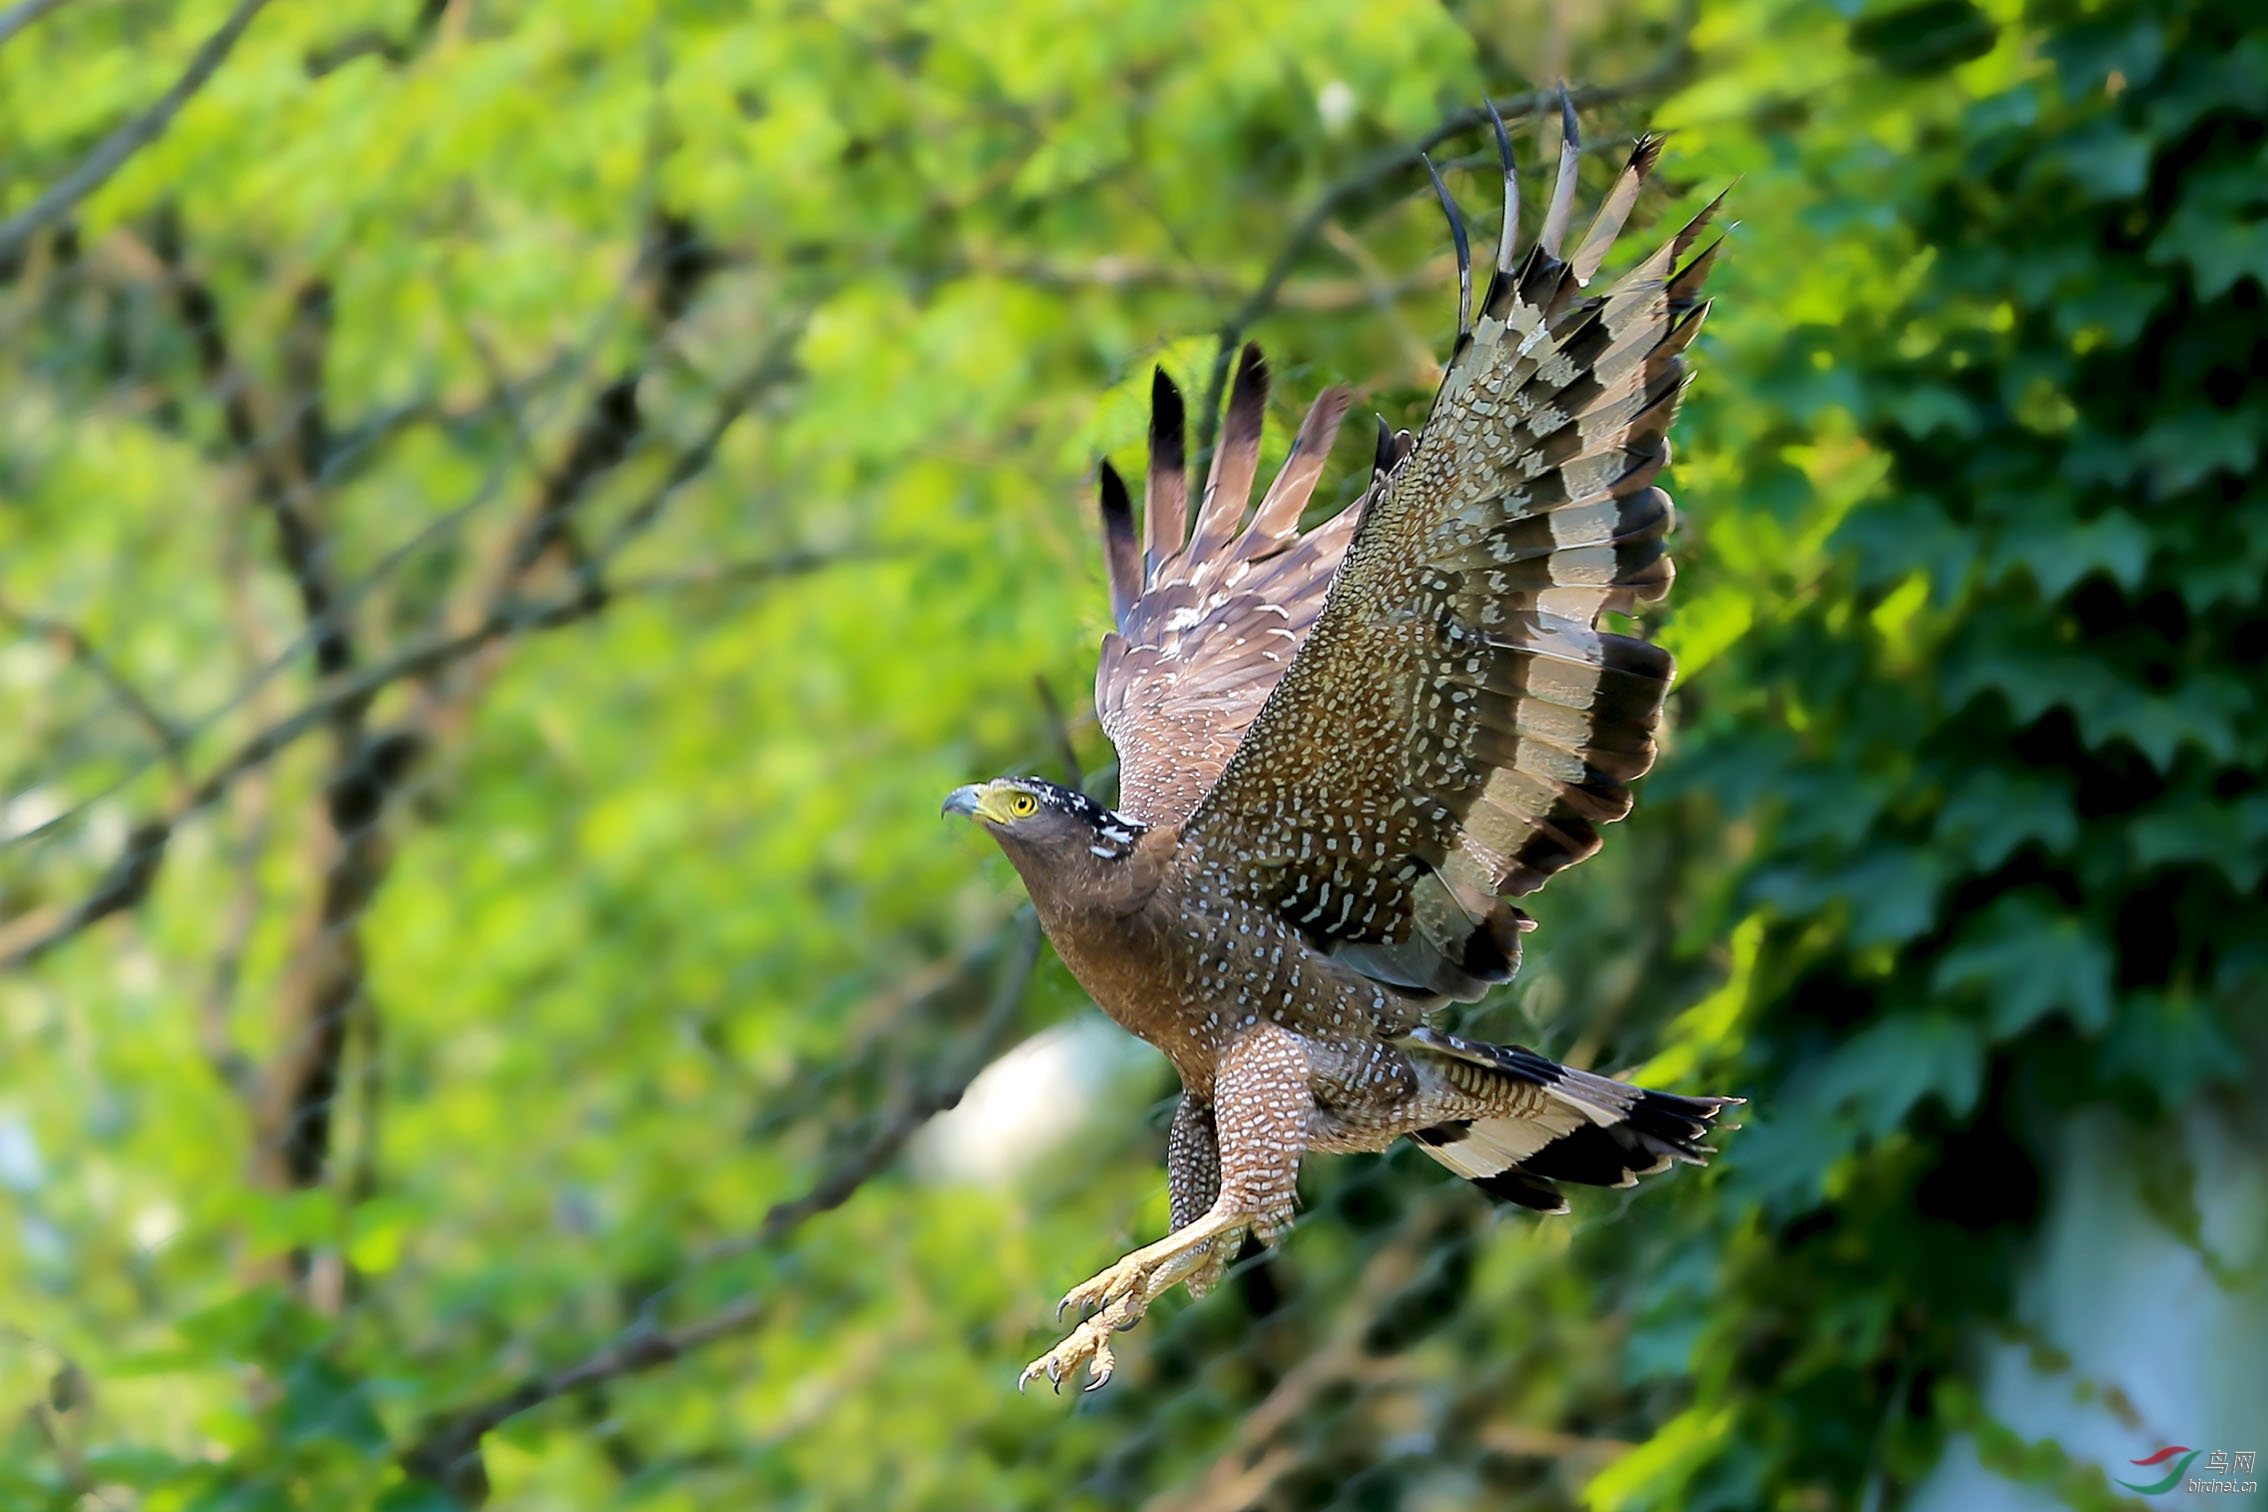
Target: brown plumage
1344 752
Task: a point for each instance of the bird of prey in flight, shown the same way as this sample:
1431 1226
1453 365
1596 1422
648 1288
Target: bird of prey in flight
1345 751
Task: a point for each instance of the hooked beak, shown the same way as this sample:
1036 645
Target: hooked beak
967 801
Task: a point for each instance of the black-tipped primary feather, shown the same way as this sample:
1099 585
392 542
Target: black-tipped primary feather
1165 498
1386 456
1685 283
1508 234
1464 247
1277 518
1213 623
1236 460
1615 209
1585 1128
1524 1190
1562 209
1121 557
1478 760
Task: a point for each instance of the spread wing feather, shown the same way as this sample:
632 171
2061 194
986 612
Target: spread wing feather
1206 626
1455 727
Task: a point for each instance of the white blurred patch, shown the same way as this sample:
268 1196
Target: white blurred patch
1335 103
2133 1306
1030 1101
28 664
154 1226
104 834
27 811
20 1168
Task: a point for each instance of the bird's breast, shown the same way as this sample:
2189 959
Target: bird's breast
1190 974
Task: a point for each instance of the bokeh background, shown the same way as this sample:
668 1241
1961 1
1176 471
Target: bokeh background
513 514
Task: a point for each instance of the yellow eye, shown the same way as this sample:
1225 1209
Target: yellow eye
1023 805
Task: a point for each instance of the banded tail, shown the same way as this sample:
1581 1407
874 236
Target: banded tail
1559 1124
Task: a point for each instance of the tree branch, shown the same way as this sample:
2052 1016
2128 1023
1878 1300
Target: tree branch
1376 170
25 939
777 367
1118 272
214 1036
16 17
449 1451
837 1186
565 370
278 482
450 1455
63 196
1059 729
368 40
84 651
602 439
323 988
1250 1464
745 571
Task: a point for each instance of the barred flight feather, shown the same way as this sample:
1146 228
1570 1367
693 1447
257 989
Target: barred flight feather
1585 1128
1346 751
1207 620
1453 701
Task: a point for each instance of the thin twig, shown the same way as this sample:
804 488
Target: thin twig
1375 170
449 1451
1425 367
776 366
84 651
837 1186
500 385
16 17
1244 1470
744 571
1057 727
64 195
450 1456
24 939
568 372
214 1036
279 484
1119 272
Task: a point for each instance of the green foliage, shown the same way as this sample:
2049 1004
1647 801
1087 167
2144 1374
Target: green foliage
1961 834
2001 757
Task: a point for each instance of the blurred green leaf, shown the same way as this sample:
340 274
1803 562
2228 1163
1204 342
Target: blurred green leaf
1923 36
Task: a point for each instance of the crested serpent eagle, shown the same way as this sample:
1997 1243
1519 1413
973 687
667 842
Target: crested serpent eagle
1344 752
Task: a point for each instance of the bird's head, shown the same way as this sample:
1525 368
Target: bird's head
1036 819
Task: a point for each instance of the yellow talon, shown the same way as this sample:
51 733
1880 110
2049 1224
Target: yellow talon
1116 1298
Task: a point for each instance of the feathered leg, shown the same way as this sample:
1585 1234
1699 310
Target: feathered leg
1193 1179
1259 1112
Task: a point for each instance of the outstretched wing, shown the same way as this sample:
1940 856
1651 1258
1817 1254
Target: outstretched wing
1456 726
1207 625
